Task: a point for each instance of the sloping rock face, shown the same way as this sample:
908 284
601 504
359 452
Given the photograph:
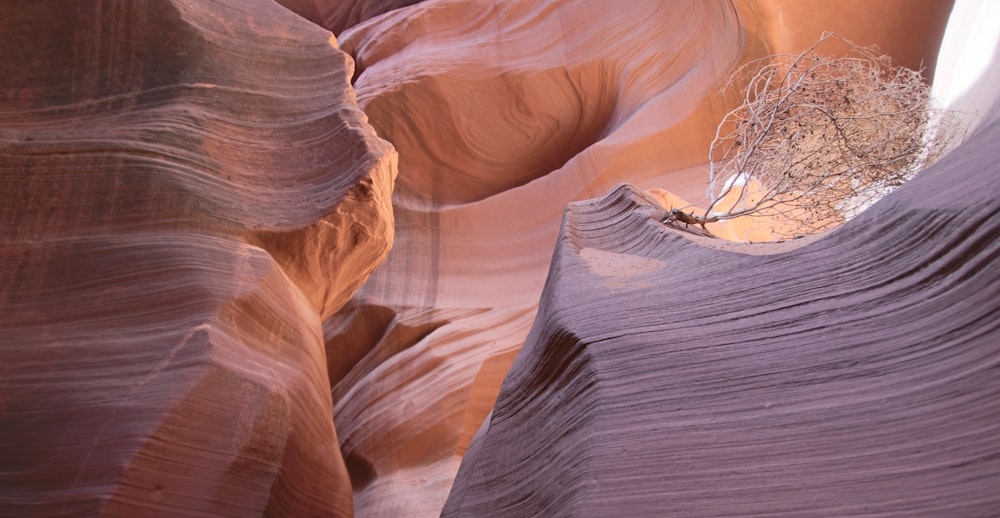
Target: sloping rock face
188 189
855 374
190 195
503 112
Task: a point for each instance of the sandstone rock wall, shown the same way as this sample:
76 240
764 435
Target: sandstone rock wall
190 196
853 374
502 113
187 188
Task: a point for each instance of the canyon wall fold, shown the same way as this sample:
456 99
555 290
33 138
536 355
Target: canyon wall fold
502 113
193 206
849 374
188 189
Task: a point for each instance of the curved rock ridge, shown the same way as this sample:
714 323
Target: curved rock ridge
491 96
852 374
503 112
188 188
428 338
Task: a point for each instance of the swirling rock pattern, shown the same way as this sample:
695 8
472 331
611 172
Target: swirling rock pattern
857 374
503 112
188 189
498 124
190 195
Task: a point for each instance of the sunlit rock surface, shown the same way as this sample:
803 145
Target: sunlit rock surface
502 113
187 188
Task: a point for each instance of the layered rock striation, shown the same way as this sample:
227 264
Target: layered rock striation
849 374
188 189
504 112
191 197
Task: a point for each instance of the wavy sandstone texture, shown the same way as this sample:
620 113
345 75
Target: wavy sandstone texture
188 190
853 375
190 197
503 112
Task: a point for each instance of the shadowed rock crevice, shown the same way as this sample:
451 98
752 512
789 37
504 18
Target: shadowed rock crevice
338 16
361 471
361 337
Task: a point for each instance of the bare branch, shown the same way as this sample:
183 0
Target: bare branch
817 139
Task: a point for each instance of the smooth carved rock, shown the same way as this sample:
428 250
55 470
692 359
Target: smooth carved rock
187 188
503 112
854 374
